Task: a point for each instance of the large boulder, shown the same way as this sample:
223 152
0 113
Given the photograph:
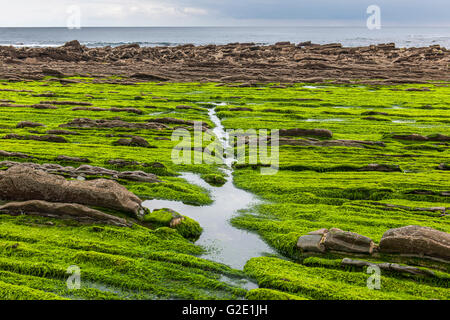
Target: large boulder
20 183
71 211
84 170
417 241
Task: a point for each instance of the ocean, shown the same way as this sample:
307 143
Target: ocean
172 36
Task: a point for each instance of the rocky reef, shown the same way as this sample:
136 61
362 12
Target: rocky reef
235 62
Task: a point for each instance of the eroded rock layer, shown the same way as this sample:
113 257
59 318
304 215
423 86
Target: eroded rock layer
245 62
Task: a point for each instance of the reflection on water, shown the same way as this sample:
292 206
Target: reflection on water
403 121
224 243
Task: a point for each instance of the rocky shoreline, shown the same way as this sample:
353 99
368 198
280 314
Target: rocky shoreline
246 63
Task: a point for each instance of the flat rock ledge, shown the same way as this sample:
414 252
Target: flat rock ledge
22 183
72 211
413 241
335 239
235 62
85 170
388 267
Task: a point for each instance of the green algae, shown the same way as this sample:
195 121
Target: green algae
214 179
316 187
185 226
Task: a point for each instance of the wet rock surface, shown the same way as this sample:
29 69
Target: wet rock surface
283 62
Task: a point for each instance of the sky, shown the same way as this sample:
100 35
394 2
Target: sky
57 13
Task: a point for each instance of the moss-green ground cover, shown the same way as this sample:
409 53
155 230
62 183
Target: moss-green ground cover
316 187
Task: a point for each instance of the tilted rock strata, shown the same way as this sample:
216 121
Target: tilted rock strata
71 211
245 62
85 170
21 183
422 242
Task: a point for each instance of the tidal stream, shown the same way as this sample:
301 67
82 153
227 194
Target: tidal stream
224 243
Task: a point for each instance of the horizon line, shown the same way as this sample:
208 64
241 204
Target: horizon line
247 26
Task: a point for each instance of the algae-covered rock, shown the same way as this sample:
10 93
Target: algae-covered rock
444 166
135 141
187 227
297 132
214 179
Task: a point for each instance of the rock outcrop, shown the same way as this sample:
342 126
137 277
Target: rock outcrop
389 267
72 159
418 137
29 124
417 241
21 155
335 240
135 141
234 62
85 170
330 143
71 211
46 137
21 183
114 109
296 132
101 123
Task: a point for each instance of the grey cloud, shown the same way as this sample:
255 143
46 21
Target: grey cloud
402 11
